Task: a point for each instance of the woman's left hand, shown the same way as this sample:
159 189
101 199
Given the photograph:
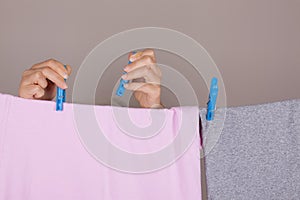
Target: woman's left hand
143 67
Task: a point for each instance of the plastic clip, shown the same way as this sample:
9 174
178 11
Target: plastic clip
121 90
213 94
60 97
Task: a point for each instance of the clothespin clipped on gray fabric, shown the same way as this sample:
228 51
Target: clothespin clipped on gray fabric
213 94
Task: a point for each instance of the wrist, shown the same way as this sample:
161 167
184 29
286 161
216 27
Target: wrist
157 106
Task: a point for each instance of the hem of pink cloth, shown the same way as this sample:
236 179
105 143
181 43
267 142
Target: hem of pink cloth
3 121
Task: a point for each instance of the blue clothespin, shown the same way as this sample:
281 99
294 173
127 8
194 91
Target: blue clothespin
213 94
60 97
121 89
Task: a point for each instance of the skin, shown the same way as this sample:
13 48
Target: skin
40 81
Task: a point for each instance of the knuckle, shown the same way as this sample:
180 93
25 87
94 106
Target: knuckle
35 88
34 66
38 89
148 59
69 69
45 70
25 72
150 51
38 75
51 61
41 91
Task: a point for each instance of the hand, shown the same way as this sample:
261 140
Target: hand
144 68
40 81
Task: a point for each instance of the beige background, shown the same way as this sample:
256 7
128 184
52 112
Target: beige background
255 43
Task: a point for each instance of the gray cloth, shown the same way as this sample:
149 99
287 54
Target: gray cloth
257 155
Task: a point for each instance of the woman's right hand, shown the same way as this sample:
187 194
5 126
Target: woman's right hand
40 81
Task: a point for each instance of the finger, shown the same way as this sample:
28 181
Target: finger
35 78
133 56
145 72
140 54
54 77
58 67
141 87
69 69
33 92
145 60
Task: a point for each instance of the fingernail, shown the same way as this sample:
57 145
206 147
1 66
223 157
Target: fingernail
132 58
125 68
65 76
125 85
124 76
65 86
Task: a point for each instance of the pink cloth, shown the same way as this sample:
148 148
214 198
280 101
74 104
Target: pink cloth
42 156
